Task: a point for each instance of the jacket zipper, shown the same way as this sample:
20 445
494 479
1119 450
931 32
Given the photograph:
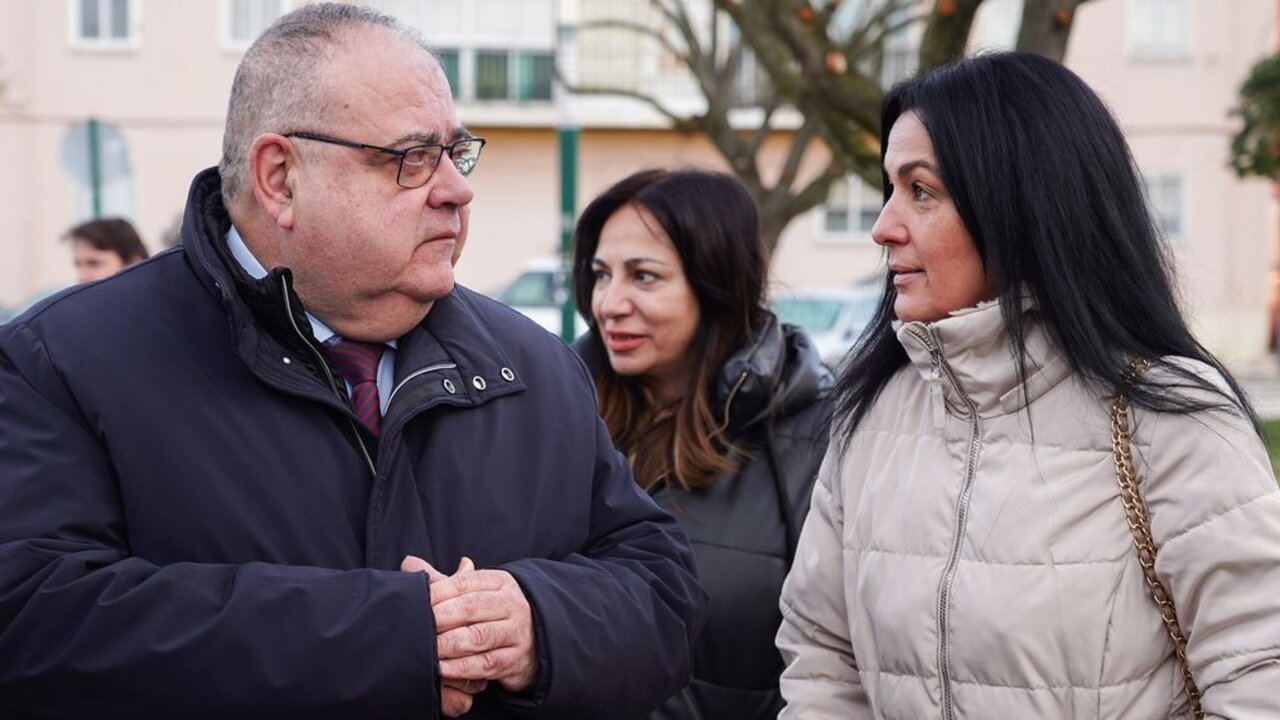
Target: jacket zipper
729 401
784 502
940 366
333 384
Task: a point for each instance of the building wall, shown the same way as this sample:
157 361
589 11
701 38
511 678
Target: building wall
1176 115
167 97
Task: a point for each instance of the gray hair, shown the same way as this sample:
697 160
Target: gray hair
275 88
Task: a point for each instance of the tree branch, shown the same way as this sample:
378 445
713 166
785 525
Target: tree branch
947 32
635 27
800 142
682 123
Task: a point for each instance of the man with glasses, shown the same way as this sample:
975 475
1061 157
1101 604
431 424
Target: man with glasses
289 469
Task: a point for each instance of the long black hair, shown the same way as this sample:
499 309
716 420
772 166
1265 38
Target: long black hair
1045 184
712 221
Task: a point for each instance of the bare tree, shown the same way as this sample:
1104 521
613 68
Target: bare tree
713 61
824 58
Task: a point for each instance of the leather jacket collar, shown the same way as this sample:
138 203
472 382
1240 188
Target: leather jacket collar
778 372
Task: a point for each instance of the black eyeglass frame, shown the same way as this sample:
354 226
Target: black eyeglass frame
401 154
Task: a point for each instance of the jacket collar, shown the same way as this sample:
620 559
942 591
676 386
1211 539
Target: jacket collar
268 318
973 357
260 309
777 373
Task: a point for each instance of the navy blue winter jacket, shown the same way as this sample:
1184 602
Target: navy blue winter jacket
192 525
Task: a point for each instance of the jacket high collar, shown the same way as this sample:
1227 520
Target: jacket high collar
777 373
973 358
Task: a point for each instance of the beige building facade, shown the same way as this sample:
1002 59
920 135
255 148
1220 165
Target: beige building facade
155 75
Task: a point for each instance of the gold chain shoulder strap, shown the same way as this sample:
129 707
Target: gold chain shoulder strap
1140 525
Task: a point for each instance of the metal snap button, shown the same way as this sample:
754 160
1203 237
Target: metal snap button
286 361
449 388
478 382
508 375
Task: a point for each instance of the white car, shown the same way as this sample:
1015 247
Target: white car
538 293
833 317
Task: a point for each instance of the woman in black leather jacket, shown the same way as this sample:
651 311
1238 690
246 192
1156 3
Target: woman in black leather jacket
722 410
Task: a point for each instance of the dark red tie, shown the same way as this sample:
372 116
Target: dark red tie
358 363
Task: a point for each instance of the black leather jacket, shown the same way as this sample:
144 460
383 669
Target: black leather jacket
776 394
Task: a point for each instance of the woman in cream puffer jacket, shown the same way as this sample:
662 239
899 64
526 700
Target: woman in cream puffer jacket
967 554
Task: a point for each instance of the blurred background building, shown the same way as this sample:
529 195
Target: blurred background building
109 107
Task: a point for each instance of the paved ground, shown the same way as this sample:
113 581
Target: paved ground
1261 382
1264 392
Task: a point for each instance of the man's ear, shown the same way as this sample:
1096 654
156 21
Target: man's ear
272 164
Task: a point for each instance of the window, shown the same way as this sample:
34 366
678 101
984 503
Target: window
901 51
104 24
851 208
504 75
901 44
751 84
489 49
533 75
491 75
1165 199
899 61
244 20
449 62
1159 29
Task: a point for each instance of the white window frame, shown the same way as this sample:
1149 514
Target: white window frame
860 197
1140 47
130 42
234 44
472 39
1180 195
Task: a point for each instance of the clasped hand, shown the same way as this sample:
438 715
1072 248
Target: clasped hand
484 632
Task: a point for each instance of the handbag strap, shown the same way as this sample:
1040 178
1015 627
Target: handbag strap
1140 526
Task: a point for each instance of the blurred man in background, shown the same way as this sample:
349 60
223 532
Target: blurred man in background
101 248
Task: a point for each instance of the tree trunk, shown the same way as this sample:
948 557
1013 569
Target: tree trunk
777 209
947 33
771 227
1046 26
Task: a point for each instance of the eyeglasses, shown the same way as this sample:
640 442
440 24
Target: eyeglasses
417 163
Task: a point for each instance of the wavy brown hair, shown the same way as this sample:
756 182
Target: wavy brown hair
715 228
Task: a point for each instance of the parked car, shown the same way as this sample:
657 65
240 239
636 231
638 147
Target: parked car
834 317
538 292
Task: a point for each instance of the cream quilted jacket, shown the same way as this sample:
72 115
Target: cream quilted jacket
965 560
